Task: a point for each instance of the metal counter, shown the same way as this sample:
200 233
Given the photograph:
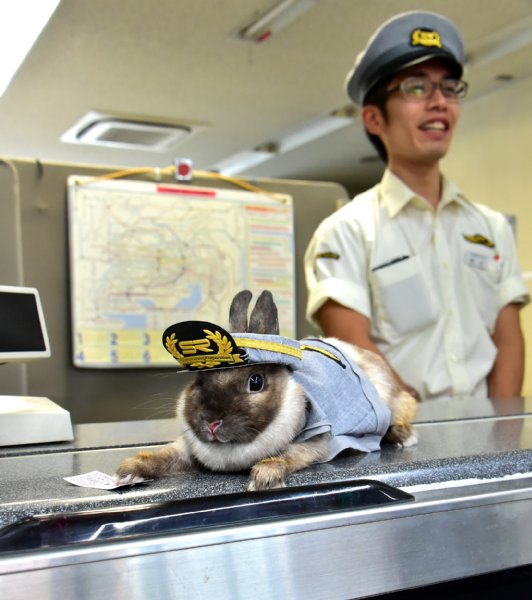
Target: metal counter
462 507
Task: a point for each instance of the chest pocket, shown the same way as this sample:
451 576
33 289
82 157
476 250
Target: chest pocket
482 269
403 298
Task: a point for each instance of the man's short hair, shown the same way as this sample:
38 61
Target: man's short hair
378 97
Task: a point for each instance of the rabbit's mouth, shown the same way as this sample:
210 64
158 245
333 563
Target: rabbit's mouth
220 438
227 436
223 430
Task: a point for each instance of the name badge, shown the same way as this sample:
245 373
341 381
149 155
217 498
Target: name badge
477 261
482 262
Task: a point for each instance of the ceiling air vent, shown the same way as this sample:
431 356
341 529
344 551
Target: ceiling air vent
98 129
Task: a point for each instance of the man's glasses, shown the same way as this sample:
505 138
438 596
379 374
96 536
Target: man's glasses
421 88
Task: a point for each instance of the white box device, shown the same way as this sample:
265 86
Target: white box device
23 337
33 420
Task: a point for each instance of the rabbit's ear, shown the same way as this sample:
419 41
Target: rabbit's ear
238 313
264 318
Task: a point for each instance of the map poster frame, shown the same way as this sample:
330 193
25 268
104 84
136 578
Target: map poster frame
144 255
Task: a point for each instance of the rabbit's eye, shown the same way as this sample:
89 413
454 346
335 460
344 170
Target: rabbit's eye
255 383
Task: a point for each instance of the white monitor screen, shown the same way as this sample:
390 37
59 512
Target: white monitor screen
23 334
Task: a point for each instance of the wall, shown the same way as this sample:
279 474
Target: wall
491 160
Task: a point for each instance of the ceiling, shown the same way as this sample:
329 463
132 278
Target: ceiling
177 61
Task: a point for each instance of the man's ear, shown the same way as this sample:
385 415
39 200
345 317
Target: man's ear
372 119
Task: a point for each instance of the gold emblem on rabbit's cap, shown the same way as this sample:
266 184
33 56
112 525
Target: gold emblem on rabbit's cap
198 345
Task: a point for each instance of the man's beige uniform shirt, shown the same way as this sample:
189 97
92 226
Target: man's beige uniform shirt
431 281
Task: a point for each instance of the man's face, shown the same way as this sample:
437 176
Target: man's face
418 130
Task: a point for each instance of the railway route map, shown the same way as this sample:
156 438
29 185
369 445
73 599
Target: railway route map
145 255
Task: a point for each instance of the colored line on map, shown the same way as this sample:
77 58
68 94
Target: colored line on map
161 189
265 208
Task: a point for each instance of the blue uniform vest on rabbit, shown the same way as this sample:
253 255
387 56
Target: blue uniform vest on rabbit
342 400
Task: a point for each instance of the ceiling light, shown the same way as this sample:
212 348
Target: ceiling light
318 128
273 20
98 129
310 131
20 26
238 163
504 41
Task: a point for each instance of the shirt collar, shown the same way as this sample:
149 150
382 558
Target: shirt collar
395 194
451 193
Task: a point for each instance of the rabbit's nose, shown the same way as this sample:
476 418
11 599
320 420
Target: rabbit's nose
213 426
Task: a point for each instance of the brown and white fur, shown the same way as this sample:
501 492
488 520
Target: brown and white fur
224 426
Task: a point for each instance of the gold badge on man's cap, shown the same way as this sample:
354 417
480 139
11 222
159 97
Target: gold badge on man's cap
425 37
198 345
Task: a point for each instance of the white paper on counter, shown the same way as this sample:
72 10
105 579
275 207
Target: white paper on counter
101 481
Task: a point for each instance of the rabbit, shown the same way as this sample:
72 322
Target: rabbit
252 417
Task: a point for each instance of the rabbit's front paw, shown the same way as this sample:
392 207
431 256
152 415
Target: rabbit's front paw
401 434
168 460
144 465
268 473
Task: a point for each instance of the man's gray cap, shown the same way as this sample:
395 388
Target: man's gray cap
404 40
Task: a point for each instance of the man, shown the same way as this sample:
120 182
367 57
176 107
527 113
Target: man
412 269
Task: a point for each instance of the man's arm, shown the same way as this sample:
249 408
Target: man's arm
506 377
346 324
